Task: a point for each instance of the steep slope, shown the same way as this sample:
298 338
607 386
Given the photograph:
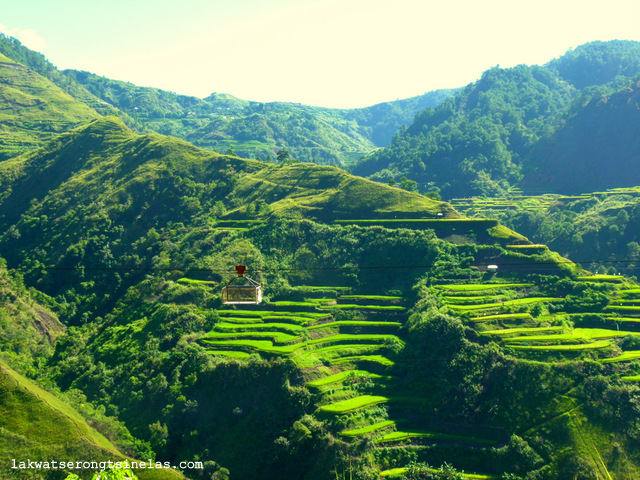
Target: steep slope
33 110
597 148
36 427
501 128
12 48
598 63
599 229
28 328
474 142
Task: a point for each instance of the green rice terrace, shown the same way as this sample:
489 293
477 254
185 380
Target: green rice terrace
344 359
516 200
347 345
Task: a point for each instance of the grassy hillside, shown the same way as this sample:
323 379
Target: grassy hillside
13 49
37 426
346 368
384 343
112 191
28 328
33 110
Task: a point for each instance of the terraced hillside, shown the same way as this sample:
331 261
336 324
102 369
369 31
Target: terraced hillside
352 349
33 110
598 229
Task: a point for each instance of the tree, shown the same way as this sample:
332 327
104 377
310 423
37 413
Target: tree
408 185
284 157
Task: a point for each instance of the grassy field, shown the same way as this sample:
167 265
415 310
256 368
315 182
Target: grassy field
482 286
505 316
563 348
352 404
356 432
339 377
506 303
399 436
625 357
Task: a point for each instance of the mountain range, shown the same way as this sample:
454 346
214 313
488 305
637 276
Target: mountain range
397 336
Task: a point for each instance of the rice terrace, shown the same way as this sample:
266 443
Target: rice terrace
439 287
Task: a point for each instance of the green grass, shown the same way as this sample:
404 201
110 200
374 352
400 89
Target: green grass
624 308
339 377
258 345
558 348
372 297
360 348
274 336
354 323
504 316
272 313
365 358
625 357
452 300
578 334
507 303
317 287
285 303
483 286
290 328
516 331
191 281
349 337
393 308
352 404
356 432
602 278
397 473
241 320
229 353
401 436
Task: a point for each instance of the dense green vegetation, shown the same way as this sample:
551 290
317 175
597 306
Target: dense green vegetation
222 122
598 229
385 345
33 110
535 126
260 130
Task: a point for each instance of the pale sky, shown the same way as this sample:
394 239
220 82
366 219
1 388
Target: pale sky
331 53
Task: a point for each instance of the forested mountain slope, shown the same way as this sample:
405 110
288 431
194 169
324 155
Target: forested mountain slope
596 148
109 189
522 125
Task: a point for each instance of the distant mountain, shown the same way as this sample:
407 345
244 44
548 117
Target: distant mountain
225 123
500 130
598 63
